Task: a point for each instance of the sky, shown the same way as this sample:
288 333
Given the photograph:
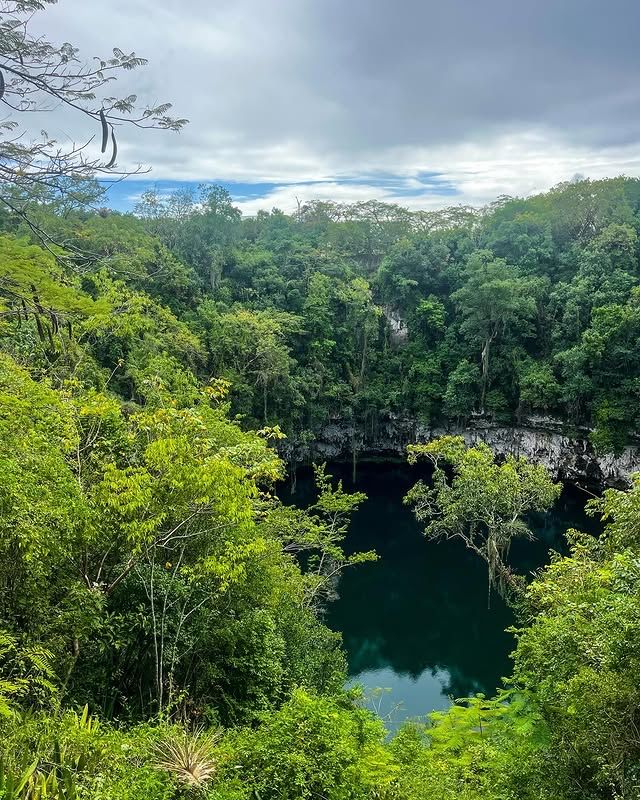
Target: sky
417 102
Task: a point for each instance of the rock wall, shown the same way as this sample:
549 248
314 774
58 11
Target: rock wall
398 330
568 454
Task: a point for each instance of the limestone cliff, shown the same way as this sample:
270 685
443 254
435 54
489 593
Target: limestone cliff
567 453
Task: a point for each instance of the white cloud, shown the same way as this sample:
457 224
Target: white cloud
496 98
517 165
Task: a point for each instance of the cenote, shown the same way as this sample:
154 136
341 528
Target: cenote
416 627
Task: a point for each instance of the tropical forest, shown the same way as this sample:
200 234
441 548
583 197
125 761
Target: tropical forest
254 465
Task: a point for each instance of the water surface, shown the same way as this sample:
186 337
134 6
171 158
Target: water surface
415 623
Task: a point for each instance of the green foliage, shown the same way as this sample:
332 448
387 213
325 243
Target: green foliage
503 313
539 389
133 529
250 350
496 303
318 533
312 747
148 571
30 277
485 503
578 656
461 393
74 756
26 673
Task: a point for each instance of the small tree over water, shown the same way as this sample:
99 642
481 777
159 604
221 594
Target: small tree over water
479 500
318 533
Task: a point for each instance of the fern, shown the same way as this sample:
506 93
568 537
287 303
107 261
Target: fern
26 674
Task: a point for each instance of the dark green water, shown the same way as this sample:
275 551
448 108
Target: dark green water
415 623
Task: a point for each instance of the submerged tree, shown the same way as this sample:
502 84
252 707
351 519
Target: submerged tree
480 501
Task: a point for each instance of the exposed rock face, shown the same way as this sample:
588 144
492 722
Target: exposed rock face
567 454
398 330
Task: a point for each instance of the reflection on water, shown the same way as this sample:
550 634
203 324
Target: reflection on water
416 622
394 696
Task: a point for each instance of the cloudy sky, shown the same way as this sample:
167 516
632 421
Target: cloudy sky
418 102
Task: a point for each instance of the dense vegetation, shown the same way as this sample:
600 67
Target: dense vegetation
359 312
527 307
161 610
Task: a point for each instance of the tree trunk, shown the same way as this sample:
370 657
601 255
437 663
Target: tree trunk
363 360
484 358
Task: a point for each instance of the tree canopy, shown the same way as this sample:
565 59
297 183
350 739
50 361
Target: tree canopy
162 629
161 613
485 503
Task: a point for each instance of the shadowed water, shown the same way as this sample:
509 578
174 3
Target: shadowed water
415 623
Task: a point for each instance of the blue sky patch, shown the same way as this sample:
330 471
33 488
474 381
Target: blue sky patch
124 195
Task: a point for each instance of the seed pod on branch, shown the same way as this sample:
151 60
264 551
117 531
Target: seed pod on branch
41 333
115 150
2 85
105 131
36 301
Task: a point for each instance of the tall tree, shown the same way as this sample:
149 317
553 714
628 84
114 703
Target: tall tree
495 299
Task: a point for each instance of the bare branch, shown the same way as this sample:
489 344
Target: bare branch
39 76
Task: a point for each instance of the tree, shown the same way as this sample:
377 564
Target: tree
250 349
199 227
317 534
578 657
484 503
539 388
33 288
37 75
496 299
462 389
315 747
411 270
